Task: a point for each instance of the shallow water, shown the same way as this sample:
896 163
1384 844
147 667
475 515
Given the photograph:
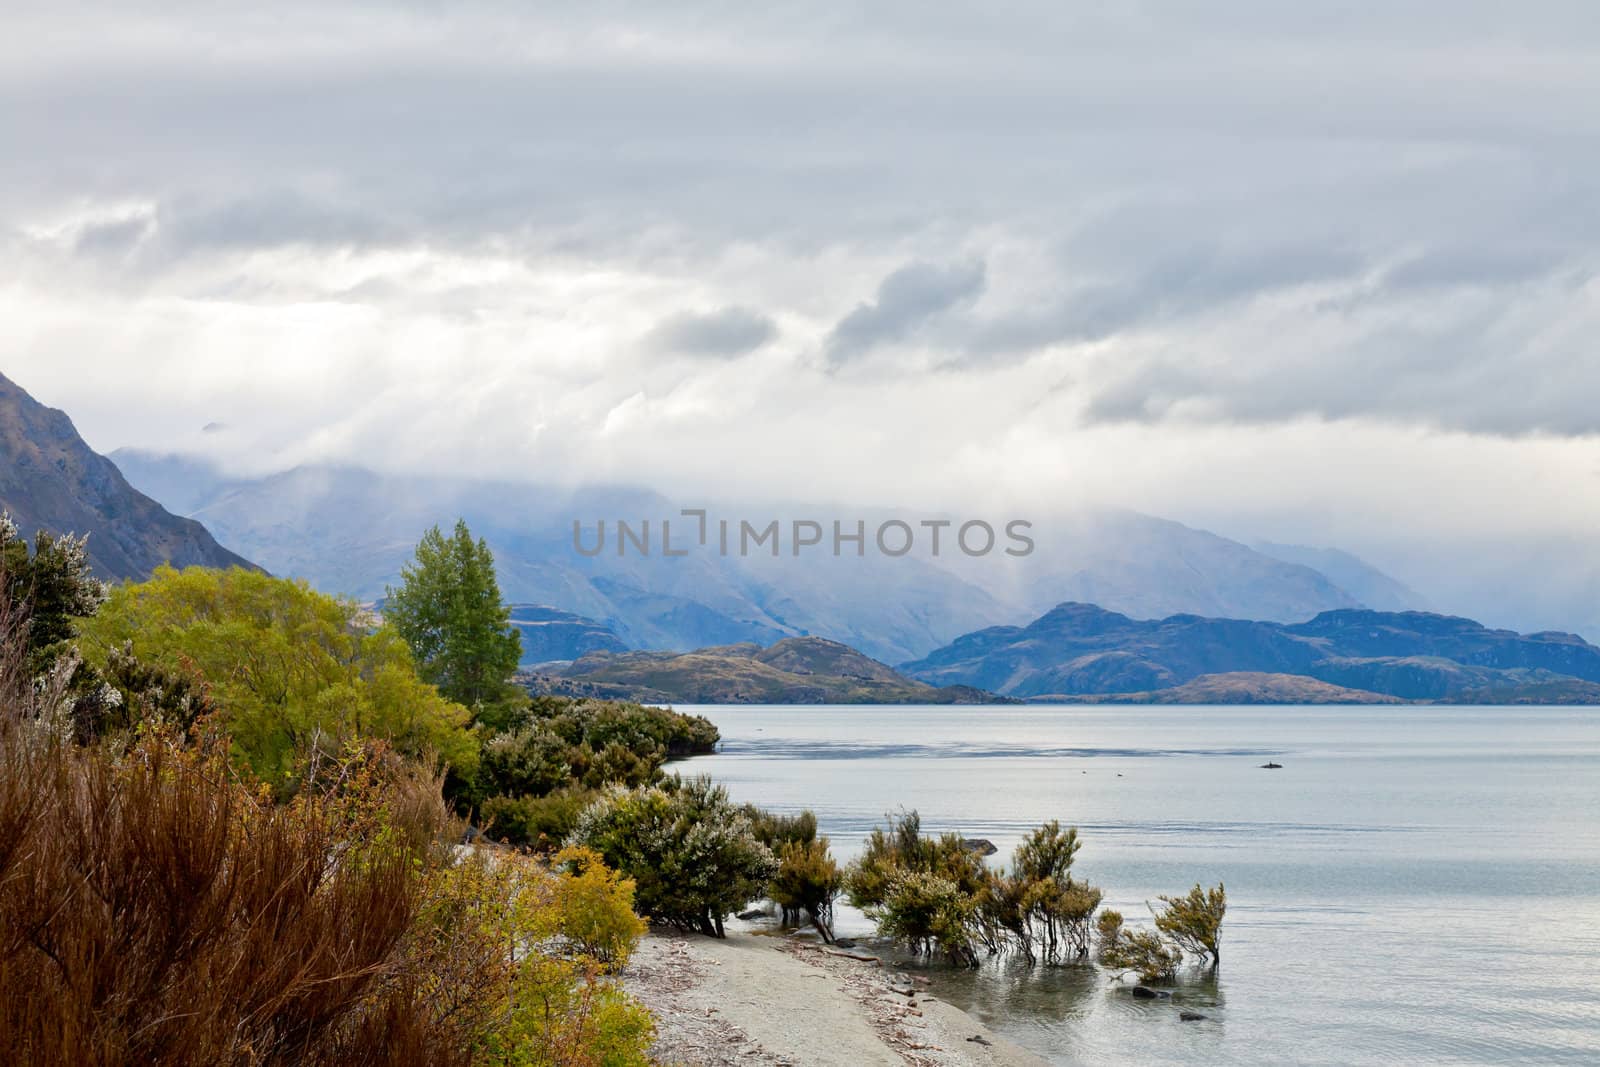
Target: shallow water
1416 885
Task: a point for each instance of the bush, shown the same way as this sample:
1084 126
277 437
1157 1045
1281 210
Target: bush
919 889
596 905
1144 953
928 911
541 823
1194 921
692 855
293 670
157 912
808 880
157 907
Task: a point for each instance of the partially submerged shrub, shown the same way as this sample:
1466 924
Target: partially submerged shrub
1142 952
919 889
1194 921
808 881
928 912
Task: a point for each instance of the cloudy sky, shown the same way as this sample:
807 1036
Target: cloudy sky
1289 270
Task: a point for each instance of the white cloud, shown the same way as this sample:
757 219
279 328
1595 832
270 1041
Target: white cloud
1297 270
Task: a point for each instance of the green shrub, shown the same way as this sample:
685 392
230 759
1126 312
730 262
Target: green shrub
1194 921
692 855
1142 952
808 880
541 823
927 911
596 905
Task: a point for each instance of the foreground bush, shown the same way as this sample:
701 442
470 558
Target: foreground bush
292 670
157 909
694 857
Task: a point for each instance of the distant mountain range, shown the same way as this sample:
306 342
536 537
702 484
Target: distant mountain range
50 479
795 670
1081 650
349 530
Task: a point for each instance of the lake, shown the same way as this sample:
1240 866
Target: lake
1415 885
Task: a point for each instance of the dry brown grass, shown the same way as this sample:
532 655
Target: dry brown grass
156 910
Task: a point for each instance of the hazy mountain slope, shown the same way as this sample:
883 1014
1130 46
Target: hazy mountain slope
1081 648
349 530
1370 586
51 479
1150 568
551 635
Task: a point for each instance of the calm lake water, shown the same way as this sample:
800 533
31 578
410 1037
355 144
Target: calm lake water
1416 885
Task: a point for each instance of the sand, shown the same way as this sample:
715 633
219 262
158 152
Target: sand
753 999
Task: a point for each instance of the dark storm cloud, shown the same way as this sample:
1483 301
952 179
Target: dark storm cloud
905 301
727 332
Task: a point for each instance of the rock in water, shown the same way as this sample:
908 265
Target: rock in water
1140 992
981 845
1190 1016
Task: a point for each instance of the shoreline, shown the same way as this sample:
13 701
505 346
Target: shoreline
766 999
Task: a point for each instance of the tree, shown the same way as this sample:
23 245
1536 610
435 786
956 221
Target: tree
448 609
295 671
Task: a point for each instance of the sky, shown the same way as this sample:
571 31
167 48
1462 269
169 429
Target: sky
1318 272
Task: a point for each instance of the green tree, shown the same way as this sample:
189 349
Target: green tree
295 672
448 609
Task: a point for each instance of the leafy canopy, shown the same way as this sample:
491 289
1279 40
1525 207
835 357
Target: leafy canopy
295 670
448 610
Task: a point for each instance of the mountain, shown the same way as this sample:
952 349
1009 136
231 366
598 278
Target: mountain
50 479
1077 649
349 529
1370 586
1247 687
550 635
796 670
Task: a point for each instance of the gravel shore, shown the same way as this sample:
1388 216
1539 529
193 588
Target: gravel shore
756 999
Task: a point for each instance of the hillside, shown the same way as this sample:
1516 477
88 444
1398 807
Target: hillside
50 479
550 635
1244 687
349 529
1080 649
796 670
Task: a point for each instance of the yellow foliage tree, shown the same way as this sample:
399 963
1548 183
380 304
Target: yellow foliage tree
296 671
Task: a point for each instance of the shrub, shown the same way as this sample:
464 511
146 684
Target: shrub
293 670
692 855
541 823
927 911
919 889
808 880
596 905
1194 921
1144 953
156 911
1108 929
